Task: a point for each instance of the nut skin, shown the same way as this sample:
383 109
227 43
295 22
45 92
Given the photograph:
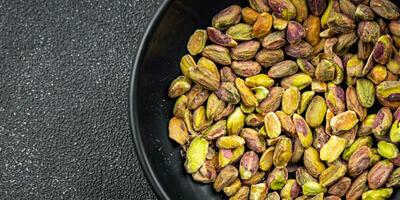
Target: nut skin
359 161
379 174
348 8
301 10
268 58
353 103
216 130
298 150
382 50
299 50
249 15
295 32
368 31
226 177
196 42
364 49
287 123
321 138
248 165
394 27
206 173
316 110
228 93
196 154
274 40
260 5
227 75
254 120
345 41
305 66
316 7
283 69
303 130
283 8
272 125
277 178
245 51
254 141
382 122
358 186
340 23
217 37
385 9
312 26
312 162
272 102
283 152
239 32
364 12
357 144
227 17
246 68
340 188
246 95
335 98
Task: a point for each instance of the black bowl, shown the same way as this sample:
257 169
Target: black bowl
156 65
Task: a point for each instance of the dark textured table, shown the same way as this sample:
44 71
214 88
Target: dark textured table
64 79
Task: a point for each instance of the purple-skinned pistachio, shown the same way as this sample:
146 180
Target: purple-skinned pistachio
295 32
217 37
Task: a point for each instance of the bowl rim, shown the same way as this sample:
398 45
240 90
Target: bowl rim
133 120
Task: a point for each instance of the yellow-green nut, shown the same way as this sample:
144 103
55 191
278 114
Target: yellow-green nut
394 179
279 23
216 130
305 66
258 191
230 142
301 10
333 148
305 100
383 121
228 93
395 128
266 159
393 65
359 161
248 165
335 98
290 100
365 92
240 32
231 189
242 193
378 74
385 8
245 51
188 120
254 120
227 176
303 130
186 63
366 125
272 125
382 50
375 156
313 28
343 122
197 96
325 70
348 8
291 189
246 94
283 69
272 102
368 31
319 86
274 40
224 157
354 104
247 109
299 80
196 154
298 150
286 123
227 17
364 12
262 26
302 176
268 58
179 86
237 154
326 14
262 80
277 178
259 5
273 196
332 174
282 152
313 188
177 130
260 93
354 66
214 106
197 41
235 122
316 110
253 139
200 121
378 194
388 93
180 106
388 150
205 77
359 142
217 53
210 65
345 41
321 137
312 162
256 178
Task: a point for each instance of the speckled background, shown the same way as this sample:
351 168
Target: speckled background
64 79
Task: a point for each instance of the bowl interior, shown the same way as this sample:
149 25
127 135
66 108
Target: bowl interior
156 66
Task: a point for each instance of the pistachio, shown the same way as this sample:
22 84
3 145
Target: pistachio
291 189
217 37
312 28
274 40
200 121
283 152
196 154
197 42
188 119
364 12
228 93
368 31
227 17
303 130
385 9
340 188
231 189
206 173
328 117
313 188
395 128
178 87
340 23
245 51
301 10
305 66
348 8
283 69
382 50
302 176
260 93
357 144
298 150
246 68
305 100
268 58
332 149
262 26
226 177
230 142
312 162
241 194
246 94
237 154
388 150
259 80
186 63
272 102
388 93
394 179
235 122
327 13
248 165
332 197
258 177
382 122
254 120
216 130
253 140
266 159
319 86
180 106
224 157
277 178
332 174
177 130
258 191
249 15
396 161
358 186
239 32
272 125
394 27
321 138
366 126
335 98
354 104
299 80
286 123
350 135
359 161
295 32
283 8
290 100
376 157
345 41
379 174
316 7
316 111
214 106
218 54
299 50
343 122
364 49
273 196
378 74
393 65
354 66
378 194
325 70
260 5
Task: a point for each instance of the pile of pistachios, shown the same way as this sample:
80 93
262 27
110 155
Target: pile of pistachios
293 99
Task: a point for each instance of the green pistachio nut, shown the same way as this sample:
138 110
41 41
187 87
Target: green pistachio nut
249 164
282 152
379 73
231 189
303 130
388 93
359 161
382 50
177 130
274 40
227 17
365 92
260 93
279 23
272 125
216 130
180 106
196 154
366 125
299 50
259 80
394 179
268 58
290 100
245 51
258 191
217 53
240 32
302 176
197 96
186 63
299 80
368 31
343 122
364 12
388 150
378 194
272 102
262 26
283 8
305 100
179 87
385 9
242 193
230 142
260 5
226 177
359 142
205 77
283 69
340 188
313 188
332 149
228 93
332 174
214 106
286 123
291 189
200 121
312 162
383 121
235 122
197 42
379 174
266 159
253 139
277 178
335 98
354 104
246 68
316 110
319 86
246 94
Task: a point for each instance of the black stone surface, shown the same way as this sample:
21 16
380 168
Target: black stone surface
64 79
